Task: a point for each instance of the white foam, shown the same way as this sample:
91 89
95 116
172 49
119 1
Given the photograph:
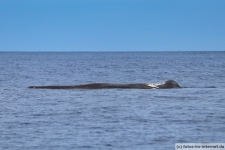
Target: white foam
155 86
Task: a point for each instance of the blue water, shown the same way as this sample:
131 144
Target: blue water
111 118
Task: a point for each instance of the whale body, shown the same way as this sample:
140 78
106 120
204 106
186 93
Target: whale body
165 85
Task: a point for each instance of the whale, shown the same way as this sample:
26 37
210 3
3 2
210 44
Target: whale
165 85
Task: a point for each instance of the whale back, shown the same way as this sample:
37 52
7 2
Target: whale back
169 84
166 85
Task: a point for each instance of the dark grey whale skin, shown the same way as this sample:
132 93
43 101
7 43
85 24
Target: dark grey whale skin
166 85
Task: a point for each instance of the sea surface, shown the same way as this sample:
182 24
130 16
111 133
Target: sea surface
145 119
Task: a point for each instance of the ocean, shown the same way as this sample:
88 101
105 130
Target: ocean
111 119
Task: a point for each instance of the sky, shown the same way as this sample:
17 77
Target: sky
112 25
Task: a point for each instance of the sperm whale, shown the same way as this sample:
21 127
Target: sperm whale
165 85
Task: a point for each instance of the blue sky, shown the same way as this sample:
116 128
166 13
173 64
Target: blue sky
112 25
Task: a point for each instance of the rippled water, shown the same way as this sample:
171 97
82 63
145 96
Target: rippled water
111 118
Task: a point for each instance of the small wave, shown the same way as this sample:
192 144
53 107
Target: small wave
201 87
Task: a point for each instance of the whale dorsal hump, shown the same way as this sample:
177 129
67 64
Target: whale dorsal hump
169 84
